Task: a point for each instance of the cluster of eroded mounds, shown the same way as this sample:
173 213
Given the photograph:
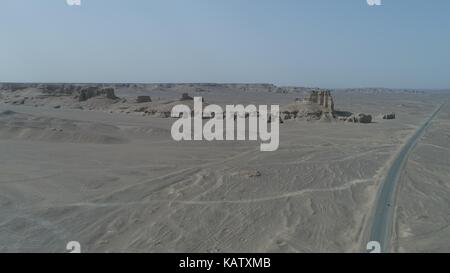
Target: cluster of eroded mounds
363 118
319 105
58 95
87 96
163 109
315 105
357 118
79 92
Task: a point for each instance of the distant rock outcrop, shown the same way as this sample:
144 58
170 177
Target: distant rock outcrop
143 99
319 105
92 91
321 98
312 104
81 92
388 116
315 105
185 96
360 118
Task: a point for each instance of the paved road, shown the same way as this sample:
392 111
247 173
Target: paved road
382 219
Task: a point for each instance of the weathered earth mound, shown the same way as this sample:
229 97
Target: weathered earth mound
92 92
360 118
143 99
388 116
316 105
298 109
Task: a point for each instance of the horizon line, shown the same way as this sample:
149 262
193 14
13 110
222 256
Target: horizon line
235 83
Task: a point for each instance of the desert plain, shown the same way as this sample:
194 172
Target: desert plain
104 170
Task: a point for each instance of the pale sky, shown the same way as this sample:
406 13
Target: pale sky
326 43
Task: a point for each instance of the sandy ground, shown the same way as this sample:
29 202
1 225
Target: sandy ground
423 212
119 183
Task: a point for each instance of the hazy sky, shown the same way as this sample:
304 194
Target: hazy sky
327 43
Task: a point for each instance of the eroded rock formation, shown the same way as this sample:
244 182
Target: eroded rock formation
90 92
360 118
389 116
321 98
314 106
185 96
143 99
